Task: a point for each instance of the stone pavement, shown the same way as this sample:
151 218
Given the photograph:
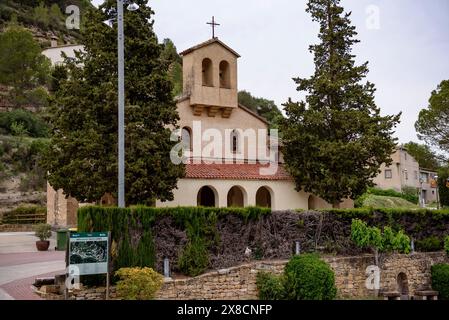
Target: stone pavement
21 263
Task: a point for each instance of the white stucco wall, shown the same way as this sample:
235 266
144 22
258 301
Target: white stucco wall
54 54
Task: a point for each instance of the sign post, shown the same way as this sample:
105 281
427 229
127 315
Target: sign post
88 253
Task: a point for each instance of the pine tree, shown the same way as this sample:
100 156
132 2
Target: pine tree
82 159
335 140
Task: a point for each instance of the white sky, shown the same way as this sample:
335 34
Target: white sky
408 54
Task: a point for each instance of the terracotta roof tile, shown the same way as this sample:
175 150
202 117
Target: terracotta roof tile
245 171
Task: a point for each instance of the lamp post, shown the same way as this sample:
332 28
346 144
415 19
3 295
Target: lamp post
121 98
438 194
421 198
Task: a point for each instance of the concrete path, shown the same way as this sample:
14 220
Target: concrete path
21 263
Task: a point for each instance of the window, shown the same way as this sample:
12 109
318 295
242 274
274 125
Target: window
225 76
406 175
186 138
234 141
388 174
208 79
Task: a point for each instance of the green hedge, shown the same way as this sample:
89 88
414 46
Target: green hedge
440 280
195 238
198 222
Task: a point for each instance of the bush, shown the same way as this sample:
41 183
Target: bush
28 122
309 278
43 231
33 214
409 193
440 280
270 286
429 244
194 259
138 283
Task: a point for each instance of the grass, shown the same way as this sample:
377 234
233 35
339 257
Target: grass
376 201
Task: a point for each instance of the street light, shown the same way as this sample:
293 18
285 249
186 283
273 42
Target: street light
438 193
121 98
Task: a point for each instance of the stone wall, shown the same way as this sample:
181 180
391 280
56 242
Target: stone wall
239 283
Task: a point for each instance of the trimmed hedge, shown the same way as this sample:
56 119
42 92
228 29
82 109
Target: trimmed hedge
440 280
307 277
196 239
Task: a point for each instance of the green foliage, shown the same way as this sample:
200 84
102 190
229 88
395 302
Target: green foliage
199 224
443 186
22 66
336 140
32 124
83 115
171 57
309 278
440 280
432 122
409 194
43 231
270 286
138 283
194 258
41 16
263 107
25 215
372 237
446 244
429 244
423 154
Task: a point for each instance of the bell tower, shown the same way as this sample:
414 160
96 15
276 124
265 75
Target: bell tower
210 78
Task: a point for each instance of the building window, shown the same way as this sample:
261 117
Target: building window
406 175
263 197
208 79
225 75
186 138
388 174
234 141
416 175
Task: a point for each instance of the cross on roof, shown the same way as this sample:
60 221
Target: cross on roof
213 24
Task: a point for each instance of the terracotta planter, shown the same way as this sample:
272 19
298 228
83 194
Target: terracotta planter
42 245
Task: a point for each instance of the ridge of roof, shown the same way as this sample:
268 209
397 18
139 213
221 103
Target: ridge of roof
208 42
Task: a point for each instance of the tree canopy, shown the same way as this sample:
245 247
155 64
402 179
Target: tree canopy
82 158
263 107
23 67
336 140
423 154
432 125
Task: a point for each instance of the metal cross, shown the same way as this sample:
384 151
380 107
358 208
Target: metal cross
213 24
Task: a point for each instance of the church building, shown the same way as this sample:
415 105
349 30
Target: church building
230 157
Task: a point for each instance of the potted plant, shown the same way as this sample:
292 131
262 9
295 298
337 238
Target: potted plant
43 232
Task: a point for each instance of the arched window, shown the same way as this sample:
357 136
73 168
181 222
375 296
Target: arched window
207 197
225 75
186 138
208 79
263 197
236 197
234 141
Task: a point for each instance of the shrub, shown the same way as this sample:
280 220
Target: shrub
29 122
309 278
33 214
440 279
194 259
429 244
138 283
446 244
409 193
43 231
270 286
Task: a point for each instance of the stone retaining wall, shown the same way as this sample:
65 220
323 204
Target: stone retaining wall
239 283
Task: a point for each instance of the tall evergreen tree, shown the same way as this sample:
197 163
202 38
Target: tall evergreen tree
336 140
82 158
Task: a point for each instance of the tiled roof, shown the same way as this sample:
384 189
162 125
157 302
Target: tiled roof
245 171
208 42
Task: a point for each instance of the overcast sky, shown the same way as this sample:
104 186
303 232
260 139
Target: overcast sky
406 44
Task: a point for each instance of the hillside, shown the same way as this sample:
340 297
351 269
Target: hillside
45 19
376 201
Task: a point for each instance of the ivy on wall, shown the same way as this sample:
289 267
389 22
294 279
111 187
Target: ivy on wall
195 239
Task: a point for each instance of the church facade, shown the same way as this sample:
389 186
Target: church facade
231 157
